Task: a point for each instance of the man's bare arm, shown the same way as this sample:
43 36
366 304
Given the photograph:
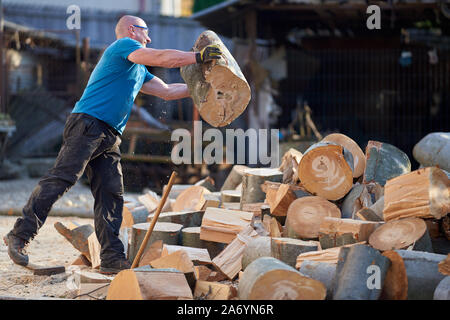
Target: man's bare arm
173 91
167 58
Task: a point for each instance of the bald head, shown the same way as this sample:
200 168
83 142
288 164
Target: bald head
124 23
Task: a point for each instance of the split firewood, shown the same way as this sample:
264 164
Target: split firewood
289 166
288 249
359 159
253 179
153 252
190 237
358 198
207 183
326 170
272 226
149 284
178 260
258 209
423 193
336 232
268 278
234 178
383 162
94 251
408 233
320 271
168 232
186 218
219 89
230 196
434 150
256 248
279 203
211 200
191 199
206 290
229 261
351 278
444 266
221 225
327 255
78 236
305 215
202 272
133 216
150 200
373 213
196 255
442 291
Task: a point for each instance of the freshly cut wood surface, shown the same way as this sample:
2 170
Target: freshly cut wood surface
359 159
202 272
196 255
398 234
207 290
396 283
211 200
283 198
150 200
305 215
289 166
149 285
94 251
219 89
134 216
191 199
434 150
153 252
423 193
326 170
268 278
222 225
178 260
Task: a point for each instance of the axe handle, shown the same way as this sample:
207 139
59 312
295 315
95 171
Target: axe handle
153 222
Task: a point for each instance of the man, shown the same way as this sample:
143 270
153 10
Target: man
91 138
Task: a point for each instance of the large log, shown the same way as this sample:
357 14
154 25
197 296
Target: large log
191 199
234 178
157 284
190 237
434 150
423 193
289 166
320 271
326 170
402 234
352 279
383 162
168 232
218 88
270 279
288 249
253 179
359 159
222 225
256 248
306 214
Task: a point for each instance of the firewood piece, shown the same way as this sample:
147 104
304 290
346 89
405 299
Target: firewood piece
191 199
384 162
367 214
328 255
168 232
231 205
335 232
229 261
423 193
359 159
197 255
396 283
253 179
320 271
187 218
402 234
268 278
258 209
191 238
356 199
217 276
153 252
444 266
156 284
305 215
287 249
351 278
211 200
81 260
230 196
78 237
134 216
234 178
94 251
207 183
442 291
289 166
178 259
422 272
219 89
150 200
434 150
256 248
221 225
326 170
283 198
206 290
202 272
176 190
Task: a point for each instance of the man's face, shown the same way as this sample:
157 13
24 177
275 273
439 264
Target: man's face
139 32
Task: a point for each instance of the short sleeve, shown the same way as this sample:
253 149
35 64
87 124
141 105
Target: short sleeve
148 76
125 46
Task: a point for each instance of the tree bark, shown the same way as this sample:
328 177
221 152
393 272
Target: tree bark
185 218
256 248
253 179
434 150
442 291
320 271
287 249
191 238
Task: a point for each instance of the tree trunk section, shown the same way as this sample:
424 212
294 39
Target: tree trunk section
219 89
434 150
320 271
256 248
270 279
234 178
384 162
252 181
326 170
287 249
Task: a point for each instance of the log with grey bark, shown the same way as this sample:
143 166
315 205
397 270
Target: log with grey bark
288 249
234 178
190 237
256 248
434 150
320 271
442 291
185 218
360 273
253 179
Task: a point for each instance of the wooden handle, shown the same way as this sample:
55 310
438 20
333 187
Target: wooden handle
153 222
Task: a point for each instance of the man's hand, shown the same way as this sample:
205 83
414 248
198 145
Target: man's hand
208 53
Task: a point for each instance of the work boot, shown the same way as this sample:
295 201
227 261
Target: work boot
16 249
115 266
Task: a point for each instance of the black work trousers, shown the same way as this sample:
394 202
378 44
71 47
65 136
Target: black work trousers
88 145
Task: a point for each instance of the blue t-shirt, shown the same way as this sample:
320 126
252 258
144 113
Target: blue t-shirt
113 85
